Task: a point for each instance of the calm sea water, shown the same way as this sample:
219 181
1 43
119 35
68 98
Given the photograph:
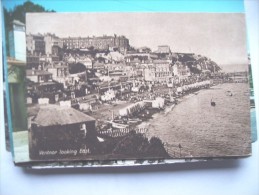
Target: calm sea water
202 130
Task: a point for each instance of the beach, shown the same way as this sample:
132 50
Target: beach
194 128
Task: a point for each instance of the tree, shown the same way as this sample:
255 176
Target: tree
133 145
156 148
19 13
137 145
76 68
8 22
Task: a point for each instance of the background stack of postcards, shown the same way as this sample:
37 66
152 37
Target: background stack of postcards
126 88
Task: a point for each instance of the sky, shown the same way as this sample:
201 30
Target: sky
190 6
221 37
135 5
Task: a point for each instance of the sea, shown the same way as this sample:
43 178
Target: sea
195 128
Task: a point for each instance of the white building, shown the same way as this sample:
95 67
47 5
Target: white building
50 41
17 40
181 70
158 71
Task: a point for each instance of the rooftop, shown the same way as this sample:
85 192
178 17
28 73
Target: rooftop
13 61
163 49
95 37
17 22
158 61
50 115
37 72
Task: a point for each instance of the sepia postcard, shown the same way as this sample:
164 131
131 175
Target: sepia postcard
134 86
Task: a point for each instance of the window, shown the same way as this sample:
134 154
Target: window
83 129
73 95
41 79
56 97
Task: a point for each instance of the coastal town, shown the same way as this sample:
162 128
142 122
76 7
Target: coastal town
106 78
102 88
115 96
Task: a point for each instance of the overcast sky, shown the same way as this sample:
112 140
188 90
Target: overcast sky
221 37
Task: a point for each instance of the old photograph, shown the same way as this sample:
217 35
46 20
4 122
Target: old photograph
115 86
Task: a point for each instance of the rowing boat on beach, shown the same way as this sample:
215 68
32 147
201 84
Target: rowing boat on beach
118 125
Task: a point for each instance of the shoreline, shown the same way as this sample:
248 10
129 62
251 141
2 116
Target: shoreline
179 100
21 147
203 135
142 126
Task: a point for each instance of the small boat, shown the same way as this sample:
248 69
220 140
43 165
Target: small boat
119 125
229 93
135 119
212 103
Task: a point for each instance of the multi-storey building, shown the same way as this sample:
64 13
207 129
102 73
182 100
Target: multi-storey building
181 70
48 44
137 58
59 72
38 76
102 43
163 52
32 61
86 61
35 44
158 71
115 67
51 40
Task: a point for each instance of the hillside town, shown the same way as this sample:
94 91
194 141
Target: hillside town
101 87
108 79
92 71
91 93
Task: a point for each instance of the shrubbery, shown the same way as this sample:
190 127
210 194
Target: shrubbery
137 145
